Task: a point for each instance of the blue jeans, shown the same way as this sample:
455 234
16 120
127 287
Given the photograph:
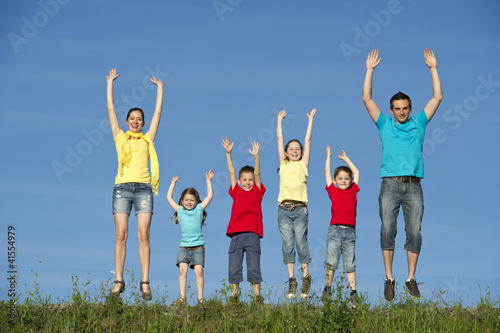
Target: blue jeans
249 243
340 241
292 222
393 194
140 195
191 255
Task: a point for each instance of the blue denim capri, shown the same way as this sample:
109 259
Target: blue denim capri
293 220
341 242
191 255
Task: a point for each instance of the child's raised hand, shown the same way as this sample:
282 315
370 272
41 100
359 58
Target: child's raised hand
373 60
175 179
282 114
328 151
430 60
112 74
225 143
210 174
157 82
255 148
342 156
311 114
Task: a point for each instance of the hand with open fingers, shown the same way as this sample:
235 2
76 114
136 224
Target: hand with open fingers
311 114
430 60
373 60
157 82
112 74
255 148
328 151
342 156
225 143
175 179
210 174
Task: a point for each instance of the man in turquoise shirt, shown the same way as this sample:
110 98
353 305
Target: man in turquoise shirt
401 169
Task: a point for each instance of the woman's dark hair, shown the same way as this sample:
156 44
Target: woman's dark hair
135 109
191 191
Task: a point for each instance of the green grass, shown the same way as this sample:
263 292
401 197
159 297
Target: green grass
82 312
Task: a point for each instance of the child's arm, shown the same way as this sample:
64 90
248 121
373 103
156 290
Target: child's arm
113 119
155 121
210 192
328 169
307 141
279 133
230 167
170 194
371 62
256 172
355 171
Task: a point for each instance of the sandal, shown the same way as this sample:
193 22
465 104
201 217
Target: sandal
122 288
180 301
146 296
202 301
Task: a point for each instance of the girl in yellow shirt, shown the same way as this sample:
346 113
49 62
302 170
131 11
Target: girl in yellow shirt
133 185
292 213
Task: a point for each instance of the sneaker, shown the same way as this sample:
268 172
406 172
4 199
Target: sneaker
305 291
354 298
327 294
258 300
412 288
389 293
292 288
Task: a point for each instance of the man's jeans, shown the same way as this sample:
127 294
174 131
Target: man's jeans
395 193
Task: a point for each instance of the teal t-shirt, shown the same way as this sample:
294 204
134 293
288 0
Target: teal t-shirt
191 222
402 146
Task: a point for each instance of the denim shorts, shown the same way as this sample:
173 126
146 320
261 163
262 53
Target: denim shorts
138 194
293 220
192 256
393 194
340 241
249 243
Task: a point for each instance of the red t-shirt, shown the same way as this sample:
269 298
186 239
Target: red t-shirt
246 213
343 204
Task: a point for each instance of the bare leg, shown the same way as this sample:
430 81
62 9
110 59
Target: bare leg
256 289
234 289
412 263
329 277
351 277
183 269
121 235
143 225
305 269
290 267
388 257
198 272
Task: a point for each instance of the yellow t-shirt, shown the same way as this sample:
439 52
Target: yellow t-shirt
137 171
293 181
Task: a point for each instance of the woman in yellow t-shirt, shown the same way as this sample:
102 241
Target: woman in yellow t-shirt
293 216
133 185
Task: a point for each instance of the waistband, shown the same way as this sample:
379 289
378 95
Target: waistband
292 204
193 247
405 179
344 225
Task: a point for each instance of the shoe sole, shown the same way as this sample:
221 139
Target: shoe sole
304 296
291 296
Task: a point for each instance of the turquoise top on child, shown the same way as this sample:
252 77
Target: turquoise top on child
191 222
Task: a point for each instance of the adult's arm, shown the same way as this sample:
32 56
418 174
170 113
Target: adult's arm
371 62
437 92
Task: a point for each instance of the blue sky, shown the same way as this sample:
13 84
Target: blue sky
228 67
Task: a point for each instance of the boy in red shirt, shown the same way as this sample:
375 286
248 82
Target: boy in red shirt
341 239
245 226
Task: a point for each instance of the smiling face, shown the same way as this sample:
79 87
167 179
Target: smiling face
189 201
401 110
343 180
135 121
246 181
293 151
